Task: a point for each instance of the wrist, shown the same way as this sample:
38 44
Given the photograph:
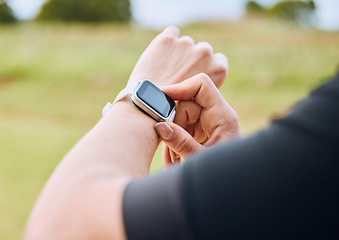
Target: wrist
149 98
126 110
131 135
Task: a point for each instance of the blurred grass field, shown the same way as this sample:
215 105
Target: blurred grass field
55 79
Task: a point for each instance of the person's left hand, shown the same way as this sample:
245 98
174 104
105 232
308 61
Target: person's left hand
170 59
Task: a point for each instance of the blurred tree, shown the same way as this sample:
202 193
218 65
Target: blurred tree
6 14
254 7
293 10
86 10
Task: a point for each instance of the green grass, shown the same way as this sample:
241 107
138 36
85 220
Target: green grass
55 79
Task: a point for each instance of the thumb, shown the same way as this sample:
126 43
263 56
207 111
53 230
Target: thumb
177 139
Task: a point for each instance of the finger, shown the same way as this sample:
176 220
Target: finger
199 134
166 157
220 68
171 31
190 128
200 88
221 59
217 136
187 39
175 158
169 157
187 111
205 46
177 139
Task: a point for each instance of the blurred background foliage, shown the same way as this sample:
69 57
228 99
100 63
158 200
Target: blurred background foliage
86 10
55 78
6 14
119 10
294 11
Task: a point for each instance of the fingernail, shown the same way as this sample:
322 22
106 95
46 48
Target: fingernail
164 130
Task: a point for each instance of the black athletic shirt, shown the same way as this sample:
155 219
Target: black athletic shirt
281 183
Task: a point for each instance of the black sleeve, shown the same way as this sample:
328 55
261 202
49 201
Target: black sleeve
281 183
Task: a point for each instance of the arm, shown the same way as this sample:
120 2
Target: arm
86 188
82 199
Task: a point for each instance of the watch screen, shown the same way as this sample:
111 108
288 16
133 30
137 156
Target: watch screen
155 98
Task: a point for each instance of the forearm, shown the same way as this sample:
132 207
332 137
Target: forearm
124 141
92 177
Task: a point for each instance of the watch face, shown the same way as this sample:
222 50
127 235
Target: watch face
155 98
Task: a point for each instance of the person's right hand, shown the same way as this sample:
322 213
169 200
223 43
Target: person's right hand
203 118
170 59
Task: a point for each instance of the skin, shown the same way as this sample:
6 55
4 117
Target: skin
170 59
201 126
83 197
203 118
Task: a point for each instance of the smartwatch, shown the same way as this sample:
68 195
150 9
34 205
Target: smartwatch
150 99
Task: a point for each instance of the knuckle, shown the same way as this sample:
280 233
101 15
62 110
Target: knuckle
180 105
219 79
166 40
221 69
233 117
186 41
221 57
183 146
204 52
205 79
233 120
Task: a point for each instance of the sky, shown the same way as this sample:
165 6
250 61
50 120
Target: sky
157 14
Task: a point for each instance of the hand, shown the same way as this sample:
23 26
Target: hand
169 60
203 118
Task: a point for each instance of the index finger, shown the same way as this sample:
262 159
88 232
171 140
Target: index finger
200 88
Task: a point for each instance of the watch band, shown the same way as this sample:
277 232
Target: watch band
127 91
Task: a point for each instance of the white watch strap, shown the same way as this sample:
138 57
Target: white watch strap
127 91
